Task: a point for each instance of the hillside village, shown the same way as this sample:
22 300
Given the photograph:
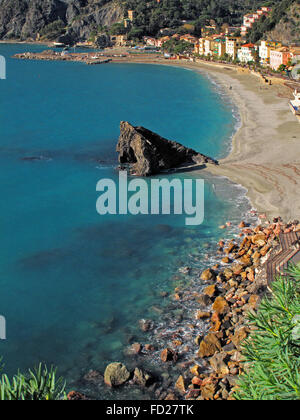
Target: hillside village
229 45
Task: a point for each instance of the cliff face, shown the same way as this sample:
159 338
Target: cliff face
287 30
76 20
147 153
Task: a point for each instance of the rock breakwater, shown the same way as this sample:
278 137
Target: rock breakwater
50 55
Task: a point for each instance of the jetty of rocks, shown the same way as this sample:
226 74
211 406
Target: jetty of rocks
50 55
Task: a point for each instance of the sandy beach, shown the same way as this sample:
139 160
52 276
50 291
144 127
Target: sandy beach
265 152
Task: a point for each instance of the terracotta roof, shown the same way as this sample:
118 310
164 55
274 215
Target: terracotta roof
283 49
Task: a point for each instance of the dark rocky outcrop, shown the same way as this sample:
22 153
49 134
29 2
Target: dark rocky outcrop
147 153
67 21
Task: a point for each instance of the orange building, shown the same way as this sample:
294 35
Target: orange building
279 56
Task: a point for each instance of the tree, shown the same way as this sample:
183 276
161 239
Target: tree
118 29
237 33
174 46
136 33
282 68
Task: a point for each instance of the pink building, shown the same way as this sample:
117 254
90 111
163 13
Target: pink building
149 41
161 41
279 56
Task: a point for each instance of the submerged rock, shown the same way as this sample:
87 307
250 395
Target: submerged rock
145 325
148 153
133 350
116 374
142 378
93 376
208 275
76 396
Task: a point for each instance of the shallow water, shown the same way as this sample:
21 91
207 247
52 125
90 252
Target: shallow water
74 284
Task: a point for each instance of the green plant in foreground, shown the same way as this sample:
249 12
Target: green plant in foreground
272 351
39 384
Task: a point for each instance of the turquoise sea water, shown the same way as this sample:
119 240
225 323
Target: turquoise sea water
73 284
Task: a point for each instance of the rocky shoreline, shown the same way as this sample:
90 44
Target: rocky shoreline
230 290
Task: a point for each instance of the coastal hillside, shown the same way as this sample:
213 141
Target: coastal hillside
283 24
186 15
287 30
71 20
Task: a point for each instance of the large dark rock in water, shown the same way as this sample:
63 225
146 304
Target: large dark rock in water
147 153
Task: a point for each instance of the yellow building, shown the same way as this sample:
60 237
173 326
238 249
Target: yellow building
130 15
233 44
217 47
127 23
200 46
265 50
208 46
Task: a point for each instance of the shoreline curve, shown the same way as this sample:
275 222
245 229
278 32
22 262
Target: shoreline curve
264 158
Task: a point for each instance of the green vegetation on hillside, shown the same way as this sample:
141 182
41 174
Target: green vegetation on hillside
71 21
174 46
272 351
266 24
53 30
152 16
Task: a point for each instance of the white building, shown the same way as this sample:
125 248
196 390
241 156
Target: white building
246 54
208 47
264 52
